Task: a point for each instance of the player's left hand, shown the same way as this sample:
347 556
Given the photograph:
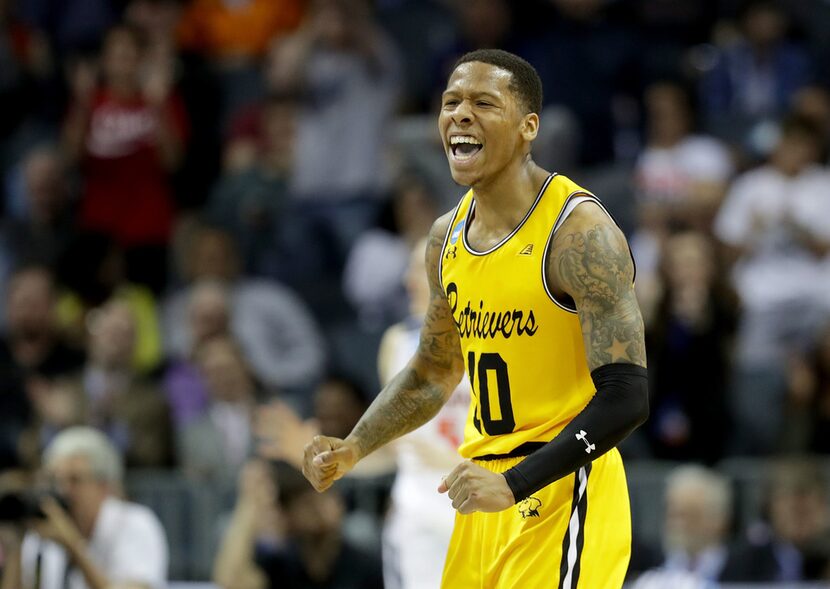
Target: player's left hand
473 488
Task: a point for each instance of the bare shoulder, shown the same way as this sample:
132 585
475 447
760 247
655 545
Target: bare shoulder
435 242
589 221
588 250
590 261
439 345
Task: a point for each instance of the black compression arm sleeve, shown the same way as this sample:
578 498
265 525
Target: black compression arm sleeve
619 406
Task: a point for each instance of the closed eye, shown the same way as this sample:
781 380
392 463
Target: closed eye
483 104
450 103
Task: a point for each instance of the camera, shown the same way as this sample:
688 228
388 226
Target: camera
18 506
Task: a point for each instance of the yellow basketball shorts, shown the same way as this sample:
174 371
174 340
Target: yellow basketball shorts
572 534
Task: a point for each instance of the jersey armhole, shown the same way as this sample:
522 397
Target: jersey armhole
574 200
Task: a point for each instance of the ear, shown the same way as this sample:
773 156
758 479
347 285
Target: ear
530 126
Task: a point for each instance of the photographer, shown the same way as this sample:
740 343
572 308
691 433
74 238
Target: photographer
95 542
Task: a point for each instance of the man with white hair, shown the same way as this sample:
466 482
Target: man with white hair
100 541
698 513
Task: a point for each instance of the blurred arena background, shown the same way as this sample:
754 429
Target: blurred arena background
208 208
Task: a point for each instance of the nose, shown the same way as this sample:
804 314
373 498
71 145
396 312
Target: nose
462 113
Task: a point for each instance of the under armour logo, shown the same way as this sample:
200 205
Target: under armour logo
588 446
451 253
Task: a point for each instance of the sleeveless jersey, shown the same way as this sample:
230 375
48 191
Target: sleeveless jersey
522 348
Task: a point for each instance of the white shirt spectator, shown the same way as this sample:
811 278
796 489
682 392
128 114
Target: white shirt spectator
761 214
667 174
128 543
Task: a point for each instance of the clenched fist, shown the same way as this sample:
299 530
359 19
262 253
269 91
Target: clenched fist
326 460
473 488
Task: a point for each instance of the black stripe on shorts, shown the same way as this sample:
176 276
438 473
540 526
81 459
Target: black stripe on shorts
575 533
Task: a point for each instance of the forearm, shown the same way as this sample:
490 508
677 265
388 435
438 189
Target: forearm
235 560
11 569
410 399
619 406
94 576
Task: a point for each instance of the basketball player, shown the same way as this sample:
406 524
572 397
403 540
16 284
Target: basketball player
531 290
419 524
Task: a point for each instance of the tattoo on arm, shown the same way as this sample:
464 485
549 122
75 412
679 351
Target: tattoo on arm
416 394
590 260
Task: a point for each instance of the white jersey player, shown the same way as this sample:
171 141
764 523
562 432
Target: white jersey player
420 520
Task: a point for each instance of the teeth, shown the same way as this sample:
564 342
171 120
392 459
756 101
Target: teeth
464 139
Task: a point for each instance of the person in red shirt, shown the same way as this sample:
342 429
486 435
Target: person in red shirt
126 128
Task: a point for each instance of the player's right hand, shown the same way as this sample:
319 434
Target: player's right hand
326 460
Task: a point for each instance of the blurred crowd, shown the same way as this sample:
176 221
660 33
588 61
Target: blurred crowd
208 207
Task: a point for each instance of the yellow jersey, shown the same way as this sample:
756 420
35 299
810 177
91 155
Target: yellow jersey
522 347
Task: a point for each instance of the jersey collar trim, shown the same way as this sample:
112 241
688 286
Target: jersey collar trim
470 211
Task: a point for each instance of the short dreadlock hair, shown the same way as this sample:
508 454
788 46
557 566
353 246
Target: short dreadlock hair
525 81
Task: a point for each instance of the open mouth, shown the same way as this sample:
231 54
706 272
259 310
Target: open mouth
465 147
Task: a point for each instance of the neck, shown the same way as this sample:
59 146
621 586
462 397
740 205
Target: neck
86 525
502 202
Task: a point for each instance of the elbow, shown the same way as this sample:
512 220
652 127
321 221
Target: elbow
444 373
641 410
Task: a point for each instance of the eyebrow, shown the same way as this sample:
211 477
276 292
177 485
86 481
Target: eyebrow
480 94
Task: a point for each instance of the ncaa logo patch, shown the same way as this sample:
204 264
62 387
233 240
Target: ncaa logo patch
456 231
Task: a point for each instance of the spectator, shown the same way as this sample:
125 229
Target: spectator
32 343
680 177
406 21
128 135
234 36
373 279
92 270
238 31
209 317
44 232
338 403
100 540
250 198
216 445
314 553
794 543
31 352
808 404
813 103
756 76
589 64
279 337
348 73
776 223
669 28
129 409
688 344
698 512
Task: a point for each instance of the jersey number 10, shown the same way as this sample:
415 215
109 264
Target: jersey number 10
488 362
